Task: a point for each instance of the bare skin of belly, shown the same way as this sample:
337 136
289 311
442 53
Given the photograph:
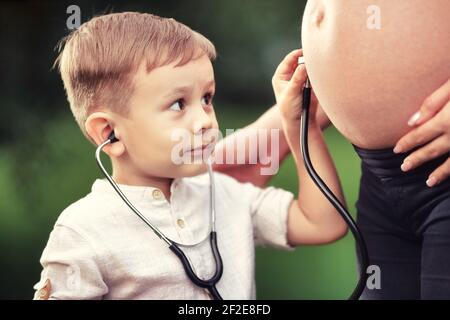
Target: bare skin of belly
368 81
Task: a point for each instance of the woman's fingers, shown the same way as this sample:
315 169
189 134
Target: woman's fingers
432 134
420 135
440 174
434 149
431 105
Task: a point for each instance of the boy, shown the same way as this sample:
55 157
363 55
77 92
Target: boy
145 77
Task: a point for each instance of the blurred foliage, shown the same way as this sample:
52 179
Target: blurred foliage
46 164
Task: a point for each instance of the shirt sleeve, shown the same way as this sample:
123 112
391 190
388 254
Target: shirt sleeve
70 268
269 208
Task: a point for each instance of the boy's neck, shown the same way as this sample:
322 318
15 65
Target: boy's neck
130 178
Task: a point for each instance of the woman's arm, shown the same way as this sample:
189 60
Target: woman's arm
271 119
252 172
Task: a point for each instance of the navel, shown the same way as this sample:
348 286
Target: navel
318 16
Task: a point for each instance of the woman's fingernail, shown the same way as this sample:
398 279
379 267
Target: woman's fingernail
406 166
397 149
431 182
414 119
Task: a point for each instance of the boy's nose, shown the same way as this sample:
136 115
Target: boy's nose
202 120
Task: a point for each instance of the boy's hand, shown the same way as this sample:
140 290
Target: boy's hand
288 82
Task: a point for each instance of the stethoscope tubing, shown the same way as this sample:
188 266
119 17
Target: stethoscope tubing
362 252
209 284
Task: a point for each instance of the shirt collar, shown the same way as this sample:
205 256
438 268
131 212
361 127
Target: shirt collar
136 193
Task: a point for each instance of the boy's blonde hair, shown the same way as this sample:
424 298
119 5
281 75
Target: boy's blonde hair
100 59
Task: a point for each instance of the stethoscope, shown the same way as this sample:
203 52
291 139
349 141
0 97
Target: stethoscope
210 284
362 253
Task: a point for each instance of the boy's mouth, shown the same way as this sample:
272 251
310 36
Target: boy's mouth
201 149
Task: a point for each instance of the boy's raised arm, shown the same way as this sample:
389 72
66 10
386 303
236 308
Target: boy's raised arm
312 219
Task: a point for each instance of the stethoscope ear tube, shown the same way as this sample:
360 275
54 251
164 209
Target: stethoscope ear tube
209 284
362 252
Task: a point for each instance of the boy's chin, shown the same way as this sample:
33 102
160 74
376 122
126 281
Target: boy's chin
192 170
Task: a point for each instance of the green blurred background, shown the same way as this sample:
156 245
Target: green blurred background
46 164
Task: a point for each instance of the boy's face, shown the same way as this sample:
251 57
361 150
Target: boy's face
170 102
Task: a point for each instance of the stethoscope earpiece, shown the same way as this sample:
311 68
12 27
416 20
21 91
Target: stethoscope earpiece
112 138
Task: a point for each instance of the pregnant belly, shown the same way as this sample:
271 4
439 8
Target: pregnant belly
370 81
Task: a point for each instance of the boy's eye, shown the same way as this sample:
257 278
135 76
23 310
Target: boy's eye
177 106
207 99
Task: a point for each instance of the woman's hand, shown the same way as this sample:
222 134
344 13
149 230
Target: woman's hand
431 129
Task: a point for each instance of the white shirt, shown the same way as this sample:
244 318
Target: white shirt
99 248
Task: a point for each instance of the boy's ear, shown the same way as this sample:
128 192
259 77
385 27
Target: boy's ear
99 126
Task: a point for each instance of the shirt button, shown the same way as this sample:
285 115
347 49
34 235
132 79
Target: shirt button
157 194
180 223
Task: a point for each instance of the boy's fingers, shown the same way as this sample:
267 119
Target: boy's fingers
290 104
432 105
440 174
288 65
298 79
